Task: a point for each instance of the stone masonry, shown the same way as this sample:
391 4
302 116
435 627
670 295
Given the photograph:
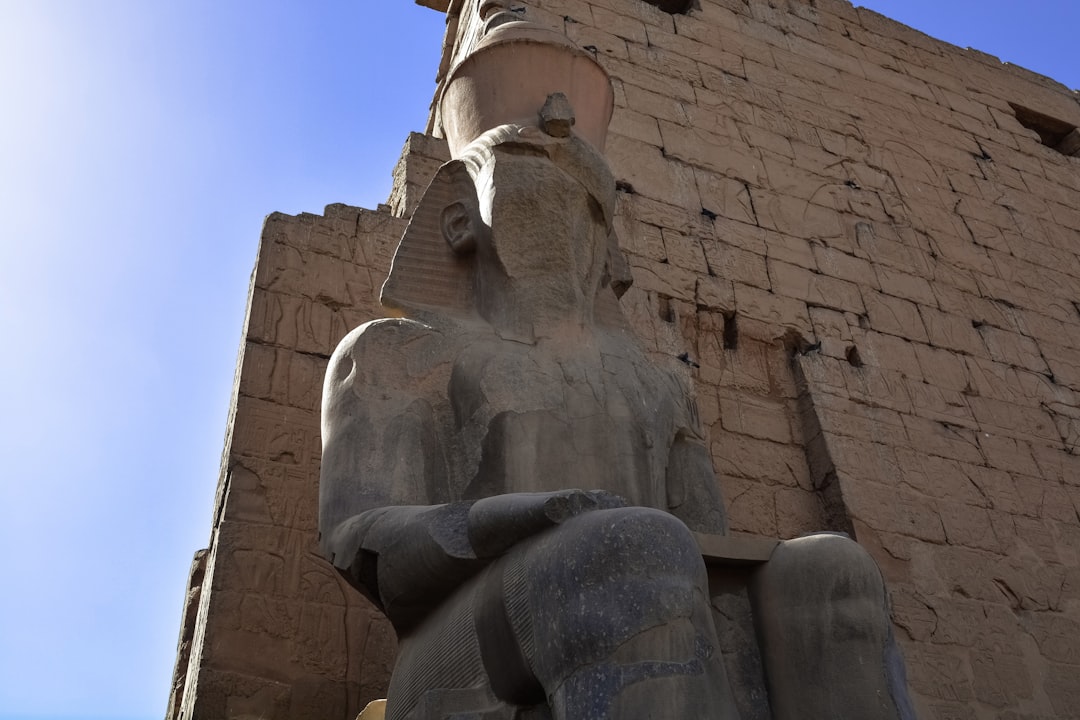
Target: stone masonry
864 244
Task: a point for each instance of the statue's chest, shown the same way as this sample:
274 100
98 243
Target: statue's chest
532 419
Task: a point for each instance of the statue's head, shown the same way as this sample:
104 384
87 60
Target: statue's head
528 195
508 74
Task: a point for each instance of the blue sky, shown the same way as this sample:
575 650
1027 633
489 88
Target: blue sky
141 144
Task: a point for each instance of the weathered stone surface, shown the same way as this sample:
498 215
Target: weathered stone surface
959 211
272 634
452 438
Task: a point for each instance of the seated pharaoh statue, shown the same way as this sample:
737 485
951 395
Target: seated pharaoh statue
505 473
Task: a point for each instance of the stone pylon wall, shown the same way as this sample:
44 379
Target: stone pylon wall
864 244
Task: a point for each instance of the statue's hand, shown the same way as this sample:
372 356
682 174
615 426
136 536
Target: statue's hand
498 523
406 557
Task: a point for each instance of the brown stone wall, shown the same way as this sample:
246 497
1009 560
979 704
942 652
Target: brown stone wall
869 266
277 633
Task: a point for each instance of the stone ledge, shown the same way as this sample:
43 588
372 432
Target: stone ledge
736 548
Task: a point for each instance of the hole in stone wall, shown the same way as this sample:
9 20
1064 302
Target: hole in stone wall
731 332
675 7
1053 133
853 357
664 310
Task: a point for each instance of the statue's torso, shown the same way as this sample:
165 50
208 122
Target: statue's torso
589 413
422 413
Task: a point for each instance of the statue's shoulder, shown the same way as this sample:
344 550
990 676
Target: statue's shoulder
388 335
392 352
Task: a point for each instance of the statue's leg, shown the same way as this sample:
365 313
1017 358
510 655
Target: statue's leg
826 637
439 671
612 612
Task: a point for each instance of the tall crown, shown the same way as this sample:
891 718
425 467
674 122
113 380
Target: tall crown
509 75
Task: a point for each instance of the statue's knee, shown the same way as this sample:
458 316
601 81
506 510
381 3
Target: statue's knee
822 568
823 589
633 567
823 621
643 541
607 584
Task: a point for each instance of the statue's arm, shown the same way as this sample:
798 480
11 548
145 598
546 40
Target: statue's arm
383 462
386 520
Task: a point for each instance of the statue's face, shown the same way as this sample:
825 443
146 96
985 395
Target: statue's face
543 204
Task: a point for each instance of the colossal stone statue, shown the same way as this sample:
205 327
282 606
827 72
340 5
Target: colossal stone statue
456 436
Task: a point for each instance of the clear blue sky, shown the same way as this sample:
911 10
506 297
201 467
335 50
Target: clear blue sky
141 144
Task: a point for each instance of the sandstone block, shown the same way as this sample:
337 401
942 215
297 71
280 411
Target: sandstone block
793 216
952 332
970 527
715 294
1060 686
274 432
620 24
791 249
943 439
664 279
831 324
761 460
751 506
934 403
709 57
891 510
951 480
637 126
814 288
654 104
721 154
871 385
873 424
282 376
729 261
725 197
648 78
894 316
606 41
652 174
845 266
294 322
685 252
771 308
649 14
748 367
942 673
1009 454
942 368
757 418
1013 419
1064 363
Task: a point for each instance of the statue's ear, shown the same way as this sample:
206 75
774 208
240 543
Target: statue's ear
460 229
431 273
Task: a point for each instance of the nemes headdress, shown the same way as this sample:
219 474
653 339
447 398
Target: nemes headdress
521 84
